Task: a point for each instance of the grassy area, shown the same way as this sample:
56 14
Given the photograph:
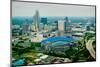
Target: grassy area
19 51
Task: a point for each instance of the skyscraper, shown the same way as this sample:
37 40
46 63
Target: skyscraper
25 26
44 20
61 27
66 24
66 19
36 24
37 21
61 24
56 22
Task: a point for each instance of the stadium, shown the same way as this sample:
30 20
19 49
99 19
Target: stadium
58 45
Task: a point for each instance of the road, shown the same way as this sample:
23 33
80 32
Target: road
90 48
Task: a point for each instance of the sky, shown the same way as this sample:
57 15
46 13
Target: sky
29 9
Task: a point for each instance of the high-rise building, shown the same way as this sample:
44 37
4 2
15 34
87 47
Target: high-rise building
56 22
61 27
25 26
67 25
64 27
44 20
41 26
66 19
37 21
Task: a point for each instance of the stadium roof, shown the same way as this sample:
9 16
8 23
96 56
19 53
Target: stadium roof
59 38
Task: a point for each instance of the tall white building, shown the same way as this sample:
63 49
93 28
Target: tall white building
37 21
36 24
61 27
61 24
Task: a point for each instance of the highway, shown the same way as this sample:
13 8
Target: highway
90 48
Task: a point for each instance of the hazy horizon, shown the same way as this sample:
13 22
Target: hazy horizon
28 9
